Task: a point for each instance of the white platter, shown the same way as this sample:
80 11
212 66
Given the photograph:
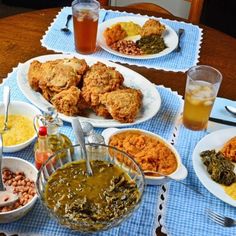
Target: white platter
151 97
215 141
170 37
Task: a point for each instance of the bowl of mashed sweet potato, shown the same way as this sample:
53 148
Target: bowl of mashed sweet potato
158 159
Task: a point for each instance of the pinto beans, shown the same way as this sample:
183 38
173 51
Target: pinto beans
126 47
22 186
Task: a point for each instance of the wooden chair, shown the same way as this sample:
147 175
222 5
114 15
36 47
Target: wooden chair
194 13
150 7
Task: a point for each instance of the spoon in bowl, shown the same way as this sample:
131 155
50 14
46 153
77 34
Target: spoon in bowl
231 109
7 197
146 172
78 131
6 101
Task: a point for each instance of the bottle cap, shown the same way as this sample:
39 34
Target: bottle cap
42 130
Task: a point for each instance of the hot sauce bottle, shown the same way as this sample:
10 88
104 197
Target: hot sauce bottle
42 152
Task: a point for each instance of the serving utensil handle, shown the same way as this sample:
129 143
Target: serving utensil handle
6 101
2 188
80 138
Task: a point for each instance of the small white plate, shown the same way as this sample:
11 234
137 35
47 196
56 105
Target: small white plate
151 97
214 140
170 37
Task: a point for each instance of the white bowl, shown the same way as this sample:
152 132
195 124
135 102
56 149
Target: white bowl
179 174
17 164
24 109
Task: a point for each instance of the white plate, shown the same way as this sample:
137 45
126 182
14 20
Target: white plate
151 97
215 141
170 37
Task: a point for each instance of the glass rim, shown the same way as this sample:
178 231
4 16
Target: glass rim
75 2
194 68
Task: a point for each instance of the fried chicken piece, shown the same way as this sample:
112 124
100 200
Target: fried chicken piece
98 80
52 77
69 102
152 27
114 34
229 149
34 75
123 104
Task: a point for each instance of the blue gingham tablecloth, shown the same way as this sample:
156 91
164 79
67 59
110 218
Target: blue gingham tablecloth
54 39
184 211
144 221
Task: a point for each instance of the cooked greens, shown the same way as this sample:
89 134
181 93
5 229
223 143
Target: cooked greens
93 200
220 169
151 44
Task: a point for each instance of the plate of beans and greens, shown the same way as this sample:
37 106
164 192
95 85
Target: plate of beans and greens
214 162
137 37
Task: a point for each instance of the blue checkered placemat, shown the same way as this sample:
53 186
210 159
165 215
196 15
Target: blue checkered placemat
144 221
185 211
58 41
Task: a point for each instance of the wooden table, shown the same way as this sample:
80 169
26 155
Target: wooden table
20 40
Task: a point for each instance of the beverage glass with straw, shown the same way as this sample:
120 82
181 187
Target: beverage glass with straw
202 86
85 20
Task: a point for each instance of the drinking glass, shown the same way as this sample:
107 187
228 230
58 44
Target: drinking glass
202 86
85 20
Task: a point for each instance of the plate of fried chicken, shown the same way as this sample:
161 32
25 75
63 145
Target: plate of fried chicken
98 91
137 37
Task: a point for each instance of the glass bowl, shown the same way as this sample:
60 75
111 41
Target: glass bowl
95 152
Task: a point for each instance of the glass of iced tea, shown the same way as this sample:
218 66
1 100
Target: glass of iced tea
202 86
85 20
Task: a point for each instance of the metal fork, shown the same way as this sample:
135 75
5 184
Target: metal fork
180 33
220 219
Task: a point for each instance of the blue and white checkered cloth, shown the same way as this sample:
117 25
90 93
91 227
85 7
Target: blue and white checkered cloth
144 221
185 210
58 41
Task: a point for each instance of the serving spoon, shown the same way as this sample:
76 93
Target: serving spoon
80 138
7 197
6 101
231 109
167 176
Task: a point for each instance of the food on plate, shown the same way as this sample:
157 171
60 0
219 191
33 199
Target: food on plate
150 152
22 186
152 27
151 44
220 169
231 190
69 102
123 104
98 80
20 129
229 149
72 87
93 200
151 40
114 34
130 28
127 47
55 76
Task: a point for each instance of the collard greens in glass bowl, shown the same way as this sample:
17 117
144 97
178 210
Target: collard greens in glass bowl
90 203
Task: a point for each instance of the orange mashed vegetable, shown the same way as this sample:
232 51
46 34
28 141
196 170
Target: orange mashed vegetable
150 152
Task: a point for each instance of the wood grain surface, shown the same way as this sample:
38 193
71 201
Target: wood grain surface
20 40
